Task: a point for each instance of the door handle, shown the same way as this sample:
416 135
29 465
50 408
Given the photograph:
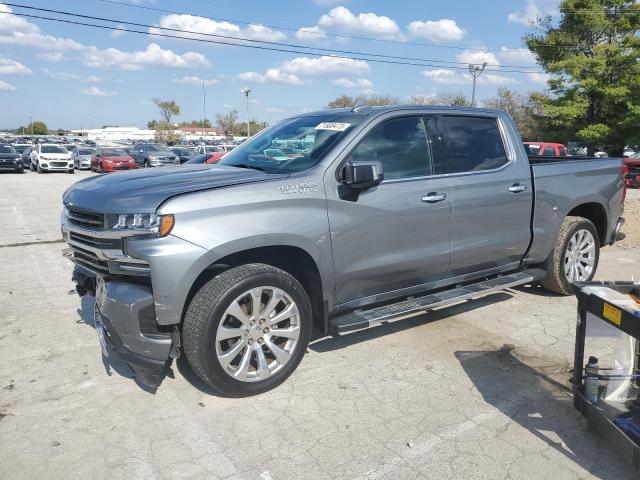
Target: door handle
517 188
433 197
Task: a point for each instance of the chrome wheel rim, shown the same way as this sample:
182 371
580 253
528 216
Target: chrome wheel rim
258 334
580 256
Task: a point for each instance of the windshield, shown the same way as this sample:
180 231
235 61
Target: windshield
532 149
112 152
293 145
20 148
158 148
85 151
7 149
213 149
53 149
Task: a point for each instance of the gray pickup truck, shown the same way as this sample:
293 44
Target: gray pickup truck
336 220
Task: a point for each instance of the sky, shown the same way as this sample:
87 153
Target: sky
73 76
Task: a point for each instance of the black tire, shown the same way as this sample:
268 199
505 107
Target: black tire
39 169
146 164
72 171
205 313
556 280
31 167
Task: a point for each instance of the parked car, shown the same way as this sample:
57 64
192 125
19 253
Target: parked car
184 154
48 157
545 149
10 159
206 158
106 160
82 157
392 211
153 155
25 153
217 151
632 178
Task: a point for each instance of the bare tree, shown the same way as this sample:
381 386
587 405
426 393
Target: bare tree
227 122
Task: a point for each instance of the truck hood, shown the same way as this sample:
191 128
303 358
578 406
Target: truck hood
144 190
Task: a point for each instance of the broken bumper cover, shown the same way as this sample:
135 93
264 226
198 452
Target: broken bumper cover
616 230
125 322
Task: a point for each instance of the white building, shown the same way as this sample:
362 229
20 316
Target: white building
115 134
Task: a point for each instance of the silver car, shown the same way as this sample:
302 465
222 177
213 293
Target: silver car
82 157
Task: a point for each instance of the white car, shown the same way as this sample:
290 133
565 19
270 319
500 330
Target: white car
49 157
202 149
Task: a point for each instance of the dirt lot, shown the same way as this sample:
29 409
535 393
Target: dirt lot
474 391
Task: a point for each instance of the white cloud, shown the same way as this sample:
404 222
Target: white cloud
11 67
446 76
153 56
6 87
539 77
310 34
53 57
275 110
444 30
364 85
96 92
272 75
534 10
325 65
477 57
11 23
119 32
193 80
517 55
341 20
70 76
200 25
227 105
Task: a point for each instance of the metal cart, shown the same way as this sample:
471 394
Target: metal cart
600 308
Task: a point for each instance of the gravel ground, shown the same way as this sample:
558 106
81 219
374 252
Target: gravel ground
631 228
473 391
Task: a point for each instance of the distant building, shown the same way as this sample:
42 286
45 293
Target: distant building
135 134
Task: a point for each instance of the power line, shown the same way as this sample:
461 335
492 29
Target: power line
323 34
265 42
364 57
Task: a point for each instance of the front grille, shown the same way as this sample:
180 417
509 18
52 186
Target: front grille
58 164
89 260
96 242
85 219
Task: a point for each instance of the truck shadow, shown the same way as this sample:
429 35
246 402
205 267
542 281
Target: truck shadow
541 405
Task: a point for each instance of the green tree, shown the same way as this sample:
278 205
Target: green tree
152 124
592 57
345 101
228 123
37 128
206 123
455 99
166 133
254 125
522 109
167 109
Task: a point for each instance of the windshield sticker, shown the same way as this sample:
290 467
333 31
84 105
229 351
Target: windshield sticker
336 127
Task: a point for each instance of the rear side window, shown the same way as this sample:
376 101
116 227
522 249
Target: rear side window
467 144
400 144
562 152
549 152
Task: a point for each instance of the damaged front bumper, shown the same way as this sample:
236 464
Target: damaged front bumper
124 318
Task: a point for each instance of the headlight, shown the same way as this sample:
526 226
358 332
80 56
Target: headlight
145 222
152 157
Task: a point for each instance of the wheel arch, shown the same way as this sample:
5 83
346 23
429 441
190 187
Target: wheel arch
292 259
596 214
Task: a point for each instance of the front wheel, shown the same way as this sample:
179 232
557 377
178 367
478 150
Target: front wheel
247 329
574 257
39 168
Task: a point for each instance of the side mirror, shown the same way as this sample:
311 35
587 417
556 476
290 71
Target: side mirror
362 175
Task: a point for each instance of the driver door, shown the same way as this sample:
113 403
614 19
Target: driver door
395 237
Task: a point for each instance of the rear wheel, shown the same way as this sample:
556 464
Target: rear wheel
31 167
247 329
574 257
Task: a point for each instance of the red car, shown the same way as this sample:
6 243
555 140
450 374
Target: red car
632 178
545 149
206 158
111 160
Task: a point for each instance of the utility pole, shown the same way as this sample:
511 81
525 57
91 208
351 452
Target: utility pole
31 125
246 91
204 107
476 71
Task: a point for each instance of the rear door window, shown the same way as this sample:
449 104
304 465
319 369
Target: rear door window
549 152
562 151
466 144
400 145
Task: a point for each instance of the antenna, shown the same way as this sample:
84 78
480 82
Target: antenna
359 104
